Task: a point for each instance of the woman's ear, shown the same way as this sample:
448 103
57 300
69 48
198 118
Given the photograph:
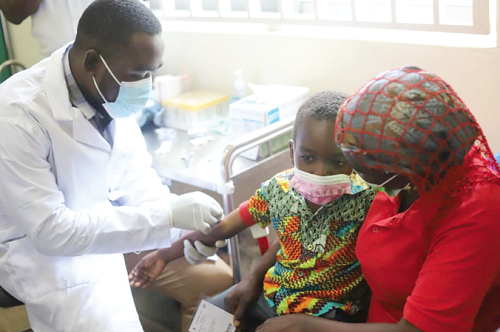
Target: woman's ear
290 146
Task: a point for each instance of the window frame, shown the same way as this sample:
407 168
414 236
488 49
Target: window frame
481 16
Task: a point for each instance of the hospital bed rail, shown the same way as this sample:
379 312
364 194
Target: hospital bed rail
232 151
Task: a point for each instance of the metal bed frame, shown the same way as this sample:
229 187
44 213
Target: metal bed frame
232 165
232 151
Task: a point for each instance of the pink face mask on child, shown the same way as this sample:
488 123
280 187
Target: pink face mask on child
321 189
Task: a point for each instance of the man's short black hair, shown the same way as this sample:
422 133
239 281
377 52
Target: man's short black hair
109 23
320 106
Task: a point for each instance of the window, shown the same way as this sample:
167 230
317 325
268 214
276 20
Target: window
457 16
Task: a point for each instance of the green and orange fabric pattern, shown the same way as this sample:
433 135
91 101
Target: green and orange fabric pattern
316 268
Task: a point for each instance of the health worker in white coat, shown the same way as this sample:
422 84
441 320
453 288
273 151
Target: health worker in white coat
77 188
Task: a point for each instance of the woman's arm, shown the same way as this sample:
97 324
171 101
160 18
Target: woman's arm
460 268
303 323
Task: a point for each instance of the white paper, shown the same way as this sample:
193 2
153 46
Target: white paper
209 318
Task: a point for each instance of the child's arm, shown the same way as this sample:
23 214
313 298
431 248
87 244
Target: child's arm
146 270
150 266
231 225
248 290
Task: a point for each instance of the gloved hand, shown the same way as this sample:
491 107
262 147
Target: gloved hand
199 252
195 211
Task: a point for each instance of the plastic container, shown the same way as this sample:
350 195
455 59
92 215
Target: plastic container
166 87
198 108
240 86
268 105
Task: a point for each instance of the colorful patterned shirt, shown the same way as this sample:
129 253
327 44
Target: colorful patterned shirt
316 268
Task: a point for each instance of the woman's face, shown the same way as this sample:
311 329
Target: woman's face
375 176
409 121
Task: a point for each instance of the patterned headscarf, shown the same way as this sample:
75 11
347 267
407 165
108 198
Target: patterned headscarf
411 122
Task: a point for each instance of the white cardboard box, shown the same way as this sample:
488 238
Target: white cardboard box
272 104
166 87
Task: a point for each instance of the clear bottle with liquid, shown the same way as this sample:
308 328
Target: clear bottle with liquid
240 86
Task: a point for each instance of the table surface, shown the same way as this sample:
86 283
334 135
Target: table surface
199 166
204 169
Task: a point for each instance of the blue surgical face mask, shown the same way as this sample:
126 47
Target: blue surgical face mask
132 96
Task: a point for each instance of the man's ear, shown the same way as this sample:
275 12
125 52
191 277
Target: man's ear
91 61
290 146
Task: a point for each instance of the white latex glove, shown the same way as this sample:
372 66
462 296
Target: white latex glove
195 211
200 252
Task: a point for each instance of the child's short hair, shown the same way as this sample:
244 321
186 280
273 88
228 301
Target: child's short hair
320 106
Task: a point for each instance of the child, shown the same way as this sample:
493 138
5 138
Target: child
317 209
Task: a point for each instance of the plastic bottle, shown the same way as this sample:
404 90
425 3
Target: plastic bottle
240 86
185 81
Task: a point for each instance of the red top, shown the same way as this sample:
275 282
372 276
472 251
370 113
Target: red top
441 277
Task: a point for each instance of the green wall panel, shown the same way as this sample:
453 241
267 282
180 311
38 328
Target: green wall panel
4 55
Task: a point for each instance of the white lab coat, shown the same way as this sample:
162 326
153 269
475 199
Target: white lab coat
55 22
60 237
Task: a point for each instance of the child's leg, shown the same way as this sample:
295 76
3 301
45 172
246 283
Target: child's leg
218 300
360 317
341 316
261 310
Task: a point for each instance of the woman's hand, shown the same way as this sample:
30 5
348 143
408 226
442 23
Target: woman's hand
147 270
244 294
302 323
287 323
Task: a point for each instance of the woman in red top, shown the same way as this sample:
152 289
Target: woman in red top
430 245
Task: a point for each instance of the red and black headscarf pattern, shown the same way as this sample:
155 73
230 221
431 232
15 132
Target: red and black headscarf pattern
411 122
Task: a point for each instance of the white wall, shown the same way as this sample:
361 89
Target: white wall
319 63
24 47
335 64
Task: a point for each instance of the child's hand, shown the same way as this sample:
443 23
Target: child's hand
147 270
246 292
